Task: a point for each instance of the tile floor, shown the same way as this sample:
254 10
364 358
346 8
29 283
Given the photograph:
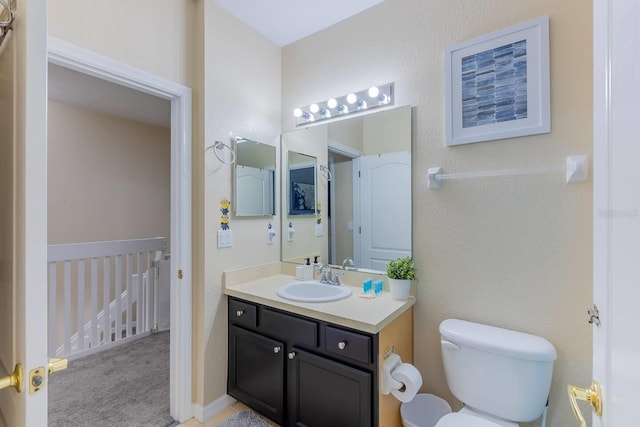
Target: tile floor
221 417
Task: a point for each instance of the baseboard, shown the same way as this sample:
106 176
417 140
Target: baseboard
204 414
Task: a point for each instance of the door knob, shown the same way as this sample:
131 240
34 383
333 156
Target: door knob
13 380
592 395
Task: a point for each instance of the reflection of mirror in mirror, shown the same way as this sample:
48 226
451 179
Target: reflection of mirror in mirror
254 178
302 183
368 200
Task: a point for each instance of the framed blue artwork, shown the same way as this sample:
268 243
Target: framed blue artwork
497 85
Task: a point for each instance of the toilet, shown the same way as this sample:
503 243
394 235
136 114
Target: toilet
503 377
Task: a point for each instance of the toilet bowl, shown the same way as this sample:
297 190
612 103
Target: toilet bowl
502 376
469 418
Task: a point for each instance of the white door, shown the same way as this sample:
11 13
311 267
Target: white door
253 192
616 342
23 218
383 207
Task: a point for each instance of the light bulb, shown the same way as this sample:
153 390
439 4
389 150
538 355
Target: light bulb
325 113
332 103
314 108
374 91
297 112
362 104
352 98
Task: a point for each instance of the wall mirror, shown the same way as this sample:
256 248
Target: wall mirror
365 206
254 180
301 183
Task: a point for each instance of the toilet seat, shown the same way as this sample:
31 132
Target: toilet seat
456 419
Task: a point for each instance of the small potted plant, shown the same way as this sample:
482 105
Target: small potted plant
401 273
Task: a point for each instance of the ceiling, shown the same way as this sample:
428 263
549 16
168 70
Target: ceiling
92 93
286 21
281 21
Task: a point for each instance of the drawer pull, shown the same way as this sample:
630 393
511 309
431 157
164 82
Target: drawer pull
276 349
342 345
239 313
292 355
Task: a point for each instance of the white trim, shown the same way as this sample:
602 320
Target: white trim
345 150
204 414
75 58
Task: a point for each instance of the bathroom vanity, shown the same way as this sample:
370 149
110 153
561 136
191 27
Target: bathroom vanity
314 364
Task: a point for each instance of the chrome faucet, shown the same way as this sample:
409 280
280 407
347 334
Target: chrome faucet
327 278
322 274
346 261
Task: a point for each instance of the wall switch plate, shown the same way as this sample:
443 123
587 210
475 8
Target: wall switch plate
350 226
225 238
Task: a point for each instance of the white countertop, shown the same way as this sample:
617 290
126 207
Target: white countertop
368 315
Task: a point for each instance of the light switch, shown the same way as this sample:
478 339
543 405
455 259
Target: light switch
350 225
225 238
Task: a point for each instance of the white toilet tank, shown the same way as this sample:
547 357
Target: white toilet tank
497 371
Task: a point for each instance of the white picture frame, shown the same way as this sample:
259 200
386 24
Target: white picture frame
497 85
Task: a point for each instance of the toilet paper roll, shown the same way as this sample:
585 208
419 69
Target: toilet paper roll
409 376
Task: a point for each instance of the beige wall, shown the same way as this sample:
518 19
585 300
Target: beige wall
108 178
242 97
513 252
153 35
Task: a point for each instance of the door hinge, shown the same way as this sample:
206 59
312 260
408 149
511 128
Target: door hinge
180 274
594 315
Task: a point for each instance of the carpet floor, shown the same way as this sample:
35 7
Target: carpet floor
245 418
125 386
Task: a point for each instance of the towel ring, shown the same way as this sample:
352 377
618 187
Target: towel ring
7 6
326 173
219 145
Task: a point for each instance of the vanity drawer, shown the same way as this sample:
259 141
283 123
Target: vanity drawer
293 330
350 345
242 313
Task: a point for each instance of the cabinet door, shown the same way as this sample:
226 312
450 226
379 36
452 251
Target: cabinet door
324 393
256 372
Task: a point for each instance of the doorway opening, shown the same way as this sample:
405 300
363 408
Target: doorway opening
130 86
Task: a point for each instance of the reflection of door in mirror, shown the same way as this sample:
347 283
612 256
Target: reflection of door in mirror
382 202
254 178
370 195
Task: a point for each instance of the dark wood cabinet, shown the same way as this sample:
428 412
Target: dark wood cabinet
300 371
327 393
256 369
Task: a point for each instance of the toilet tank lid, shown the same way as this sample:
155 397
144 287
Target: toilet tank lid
496 340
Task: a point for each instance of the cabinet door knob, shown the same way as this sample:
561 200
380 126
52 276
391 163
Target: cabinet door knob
239 313
292 355
342 345
276 349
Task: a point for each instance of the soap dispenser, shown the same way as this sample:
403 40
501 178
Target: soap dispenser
308 270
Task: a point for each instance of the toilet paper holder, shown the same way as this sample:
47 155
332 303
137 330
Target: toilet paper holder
388 382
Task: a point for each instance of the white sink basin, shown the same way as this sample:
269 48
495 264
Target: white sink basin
313 291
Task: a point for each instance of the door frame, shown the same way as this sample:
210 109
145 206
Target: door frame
87 62
353 154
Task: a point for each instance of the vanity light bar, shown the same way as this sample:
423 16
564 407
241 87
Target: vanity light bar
355 102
